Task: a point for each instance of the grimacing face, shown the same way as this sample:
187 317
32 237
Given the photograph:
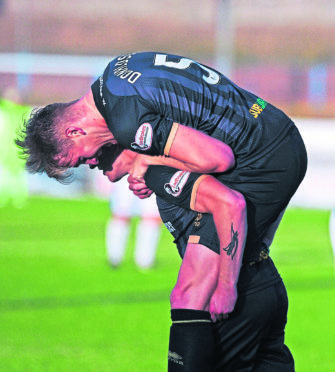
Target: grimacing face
103 157
78 155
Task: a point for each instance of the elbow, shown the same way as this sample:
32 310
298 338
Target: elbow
229 159
222 161
231 162
211 193
233 201
239 202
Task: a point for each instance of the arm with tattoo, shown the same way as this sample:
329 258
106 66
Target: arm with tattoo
229 212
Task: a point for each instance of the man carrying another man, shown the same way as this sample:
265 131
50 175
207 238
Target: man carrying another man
157 104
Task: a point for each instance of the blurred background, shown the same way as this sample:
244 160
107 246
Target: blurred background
62 307
283 51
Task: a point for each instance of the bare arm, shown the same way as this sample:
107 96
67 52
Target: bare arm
229 212
203 153
190 150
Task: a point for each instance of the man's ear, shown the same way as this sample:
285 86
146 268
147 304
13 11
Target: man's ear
74 131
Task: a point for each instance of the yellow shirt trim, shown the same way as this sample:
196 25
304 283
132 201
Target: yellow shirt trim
170 139
193 239
195 190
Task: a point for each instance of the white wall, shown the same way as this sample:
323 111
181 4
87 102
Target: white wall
318 188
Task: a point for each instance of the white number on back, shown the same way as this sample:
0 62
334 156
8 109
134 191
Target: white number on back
184 63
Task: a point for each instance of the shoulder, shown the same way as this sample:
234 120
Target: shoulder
125 73
140 73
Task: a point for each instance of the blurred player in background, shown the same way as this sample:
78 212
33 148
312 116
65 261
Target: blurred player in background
124 206
13 180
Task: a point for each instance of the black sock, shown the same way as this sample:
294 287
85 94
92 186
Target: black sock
191 341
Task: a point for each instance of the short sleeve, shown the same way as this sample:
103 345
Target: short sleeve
173 185
138 127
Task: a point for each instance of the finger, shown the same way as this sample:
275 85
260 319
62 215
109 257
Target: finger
135 179
143 197
213 317
131 179
139 191
140 195
219 317
138 179
214 313
146 195
137 186
143 191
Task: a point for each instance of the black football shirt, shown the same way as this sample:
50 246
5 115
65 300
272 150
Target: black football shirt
141 95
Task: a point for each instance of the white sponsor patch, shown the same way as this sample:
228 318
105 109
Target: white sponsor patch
143 137
177 182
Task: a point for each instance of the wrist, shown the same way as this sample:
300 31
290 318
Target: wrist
143 160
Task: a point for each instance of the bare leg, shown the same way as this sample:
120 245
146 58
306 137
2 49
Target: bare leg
191 345
197 279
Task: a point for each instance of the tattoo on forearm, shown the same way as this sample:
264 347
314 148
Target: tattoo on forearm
232 246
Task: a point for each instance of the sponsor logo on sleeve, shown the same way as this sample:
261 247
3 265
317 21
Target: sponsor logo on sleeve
143 137
177 182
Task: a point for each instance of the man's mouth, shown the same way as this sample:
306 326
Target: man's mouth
91 162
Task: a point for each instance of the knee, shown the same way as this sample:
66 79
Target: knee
237 201
232 201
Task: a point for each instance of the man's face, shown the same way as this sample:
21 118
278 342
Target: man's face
82 151
110 158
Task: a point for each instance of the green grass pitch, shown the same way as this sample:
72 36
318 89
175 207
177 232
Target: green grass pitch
62 308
